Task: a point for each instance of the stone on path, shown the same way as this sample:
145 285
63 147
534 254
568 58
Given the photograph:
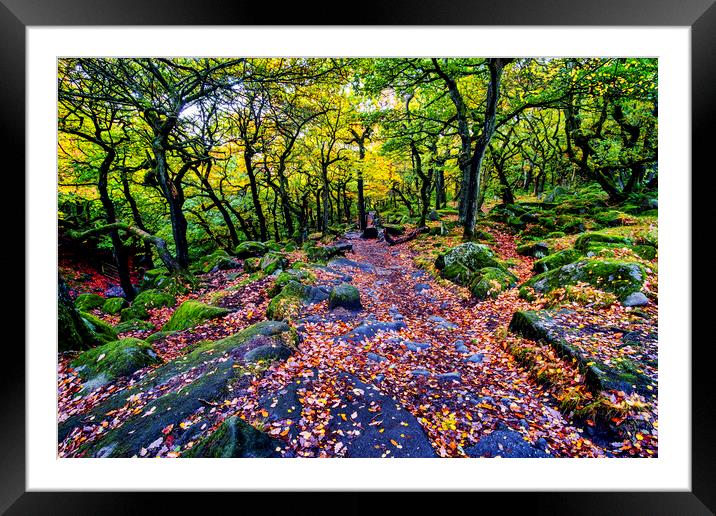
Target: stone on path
505 443
442 323
374 425
477 358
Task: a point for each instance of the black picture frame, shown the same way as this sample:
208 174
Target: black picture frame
17 15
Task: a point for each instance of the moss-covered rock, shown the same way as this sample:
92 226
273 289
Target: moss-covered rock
610 218
556 260
536 249
472 255
87 302
457 273
113 305
586 240
158 335
570 225
394 229
645 251
252 264
345 296
216 261
103 332
286 304
212 370
133 325
235 438
161 279
618 277
620 375
490 281
271 262
73 332
324 253
146 300
104 364
250 249
301 275
190 313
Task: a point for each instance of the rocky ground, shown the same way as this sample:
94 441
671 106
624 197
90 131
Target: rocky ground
419 369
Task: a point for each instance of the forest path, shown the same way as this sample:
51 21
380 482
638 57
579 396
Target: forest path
417 346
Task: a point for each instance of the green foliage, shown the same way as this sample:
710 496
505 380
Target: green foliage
190 313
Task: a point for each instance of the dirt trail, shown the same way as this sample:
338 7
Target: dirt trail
442 363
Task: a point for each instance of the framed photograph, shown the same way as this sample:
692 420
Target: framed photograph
442 248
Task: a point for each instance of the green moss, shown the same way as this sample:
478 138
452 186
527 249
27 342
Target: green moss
159 335
527 293
271 262
584 241
113 305
303 276
556 260
555 234
286 304
105 363
144 301
490 281
252 264
569 225
133 325
250 249
103 331
86 302
209 262
457 273
618 277
235 438
345 296
190 313
472 255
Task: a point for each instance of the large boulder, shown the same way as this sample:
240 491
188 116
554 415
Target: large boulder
250 249
472 255
552 327
146 300
75 332
190 313
176 391
490 281
219 260
86 302
618 277
272 261
133 325
101 331
325 253
286 304
587 240
373 425
345 296
536 250
106 363
114 305
556 260
235 438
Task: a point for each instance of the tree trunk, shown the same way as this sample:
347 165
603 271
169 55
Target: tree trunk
175 199
472 190
119 251
253 186
137 217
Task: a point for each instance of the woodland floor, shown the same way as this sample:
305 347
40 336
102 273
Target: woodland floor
448 369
